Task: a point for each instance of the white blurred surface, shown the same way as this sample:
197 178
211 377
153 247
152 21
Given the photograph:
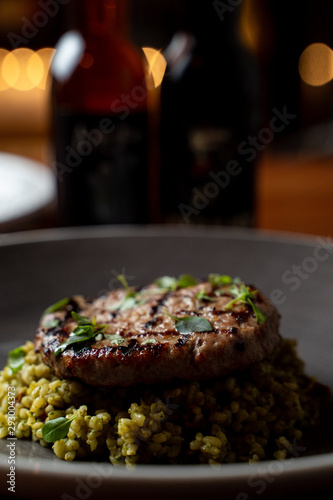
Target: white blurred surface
26 187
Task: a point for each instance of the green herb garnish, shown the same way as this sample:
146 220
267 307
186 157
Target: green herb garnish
123 281
114 338
78 335
86 330
82 320
132 302
217 280
260 316
170 284
164 283
186 280
16 359
56 429
167 283
149 341
131 298
123 304
58 306
52 323
191 324
203 296
243 294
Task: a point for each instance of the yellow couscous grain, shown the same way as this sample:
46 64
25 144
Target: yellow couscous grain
253 415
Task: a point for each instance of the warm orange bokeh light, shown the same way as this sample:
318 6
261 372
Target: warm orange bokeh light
15 69
157 64
3 84
10 69
35 69
23 69
46 56
316 64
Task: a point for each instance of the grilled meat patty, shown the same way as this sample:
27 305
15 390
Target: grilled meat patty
140 342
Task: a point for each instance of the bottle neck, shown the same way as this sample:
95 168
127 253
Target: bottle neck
102 18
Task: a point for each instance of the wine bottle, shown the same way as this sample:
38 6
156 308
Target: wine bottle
99 103
210 104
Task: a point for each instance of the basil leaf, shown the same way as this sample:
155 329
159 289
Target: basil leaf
191 324
58 306
85 325
81 320
219 280
167 282
70 341
127 303
260 316
131 299
16 359
56 429
116 306
86 330
203 296
52 323
80 334
115 339
170 284
186 280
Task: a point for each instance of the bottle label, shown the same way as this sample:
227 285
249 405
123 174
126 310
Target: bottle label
101 167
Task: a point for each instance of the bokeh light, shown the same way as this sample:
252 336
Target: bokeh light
10 69
3 84
35 69
46 54
24 69
316 64
157 64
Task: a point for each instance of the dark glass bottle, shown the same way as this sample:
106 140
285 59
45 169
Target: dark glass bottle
209 108
100 119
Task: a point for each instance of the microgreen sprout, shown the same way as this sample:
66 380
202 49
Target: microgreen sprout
243 294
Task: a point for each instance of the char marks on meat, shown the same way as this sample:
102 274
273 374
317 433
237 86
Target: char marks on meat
150 349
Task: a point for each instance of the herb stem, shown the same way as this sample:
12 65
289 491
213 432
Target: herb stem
121 278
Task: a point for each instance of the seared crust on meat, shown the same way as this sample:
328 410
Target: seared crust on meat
150 349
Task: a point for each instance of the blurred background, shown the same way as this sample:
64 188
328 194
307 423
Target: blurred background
280 76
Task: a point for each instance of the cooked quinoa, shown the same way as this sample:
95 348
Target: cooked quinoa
247 416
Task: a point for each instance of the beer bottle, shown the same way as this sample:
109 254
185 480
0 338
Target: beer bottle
99 103
209 107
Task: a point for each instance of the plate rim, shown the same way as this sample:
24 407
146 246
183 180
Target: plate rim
183 472
158 230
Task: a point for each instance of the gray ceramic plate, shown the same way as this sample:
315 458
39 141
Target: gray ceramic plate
36 269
